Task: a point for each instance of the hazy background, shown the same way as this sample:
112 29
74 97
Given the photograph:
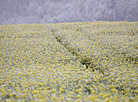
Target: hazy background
55 11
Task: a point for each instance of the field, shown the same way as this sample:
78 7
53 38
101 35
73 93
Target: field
69 62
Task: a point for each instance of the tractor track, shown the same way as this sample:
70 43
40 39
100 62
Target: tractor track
84 60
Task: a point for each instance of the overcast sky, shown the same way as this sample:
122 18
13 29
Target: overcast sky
53 11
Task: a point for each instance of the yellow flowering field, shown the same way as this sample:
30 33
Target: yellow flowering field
69 62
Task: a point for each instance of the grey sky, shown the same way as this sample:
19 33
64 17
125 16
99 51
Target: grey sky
53 11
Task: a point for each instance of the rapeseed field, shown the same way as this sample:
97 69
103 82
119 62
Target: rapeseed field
69 62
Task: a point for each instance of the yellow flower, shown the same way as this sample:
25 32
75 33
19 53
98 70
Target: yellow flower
35 91
78 100
92 97
40 96
108 100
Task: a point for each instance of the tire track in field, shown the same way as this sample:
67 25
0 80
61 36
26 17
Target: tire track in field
83 59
